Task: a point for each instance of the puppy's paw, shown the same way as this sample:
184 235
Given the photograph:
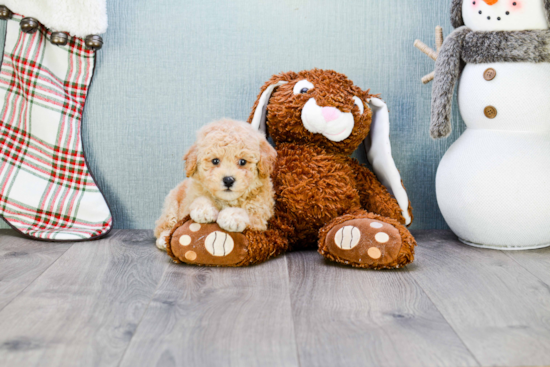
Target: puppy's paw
203 211
233 219
161 241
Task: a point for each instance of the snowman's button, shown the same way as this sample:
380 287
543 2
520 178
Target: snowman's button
489 74
490 112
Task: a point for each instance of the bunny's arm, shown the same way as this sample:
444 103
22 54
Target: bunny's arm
375 198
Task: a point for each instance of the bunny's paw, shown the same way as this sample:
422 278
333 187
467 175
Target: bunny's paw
207 244
375 243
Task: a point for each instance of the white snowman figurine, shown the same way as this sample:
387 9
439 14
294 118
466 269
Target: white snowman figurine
493 184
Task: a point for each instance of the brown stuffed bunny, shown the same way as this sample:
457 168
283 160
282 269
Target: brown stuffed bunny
317 119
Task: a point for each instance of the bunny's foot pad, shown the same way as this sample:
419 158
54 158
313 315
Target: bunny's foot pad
206 244
380 243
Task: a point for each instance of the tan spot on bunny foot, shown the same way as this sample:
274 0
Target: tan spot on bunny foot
374 253
191 255
364 242
208 244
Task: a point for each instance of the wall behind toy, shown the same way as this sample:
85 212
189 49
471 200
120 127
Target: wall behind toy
170 66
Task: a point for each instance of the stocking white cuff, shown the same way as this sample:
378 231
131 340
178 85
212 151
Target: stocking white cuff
76 17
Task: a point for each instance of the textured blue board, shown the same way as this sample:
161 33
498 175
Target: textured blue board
170 66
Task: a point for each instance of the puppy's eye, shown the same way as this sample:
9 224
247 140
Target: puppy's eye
359 104
215 161
242 162
303 86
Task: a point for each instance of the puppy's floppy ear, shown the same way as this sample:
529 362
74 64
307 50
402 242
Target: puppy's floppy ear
268 156
378 147
190 159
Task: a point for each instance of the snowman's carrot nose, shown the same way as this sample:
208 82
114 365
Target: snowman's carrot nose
491 2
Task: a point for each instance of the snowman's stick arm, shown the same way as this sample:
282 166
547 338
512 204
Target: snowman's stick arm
431 53
428 78
427 50
438 38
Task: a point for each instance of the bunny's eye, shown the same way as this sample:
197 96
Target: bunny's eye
359 104
303 86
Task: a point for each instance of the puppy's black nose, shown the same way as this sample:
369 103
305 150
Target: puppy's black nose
228 181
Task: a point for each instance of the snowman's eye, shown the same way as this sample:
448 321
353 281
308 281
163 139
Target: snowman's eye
303 86
514 5
359 104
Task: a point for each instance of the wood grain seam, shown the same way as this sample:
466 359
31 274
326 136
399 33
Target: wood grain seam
34 280
289 298
444 318
123 355
507 253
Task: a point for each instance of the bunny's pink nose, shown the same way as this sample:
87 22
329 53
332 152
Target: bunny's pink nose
330 113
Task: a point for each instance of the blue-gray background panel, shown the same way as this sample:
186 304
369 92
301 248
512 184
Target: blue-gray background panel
170 66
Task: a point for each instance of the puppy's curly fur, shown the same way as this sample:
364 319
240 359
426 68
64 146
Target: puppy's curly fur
225 148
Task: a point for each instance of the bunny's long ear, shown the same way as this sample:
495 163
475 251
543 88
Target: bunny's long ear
259 120
378 148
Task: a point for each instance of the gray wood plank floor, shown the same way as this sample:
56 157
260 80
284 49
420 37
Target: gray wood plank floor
121 302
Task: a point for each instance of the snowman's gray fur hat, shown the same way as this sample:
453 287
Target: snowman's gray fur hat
456 12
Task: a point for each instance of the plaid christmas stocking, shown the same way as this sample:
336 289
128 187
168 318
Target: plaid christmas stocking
46 189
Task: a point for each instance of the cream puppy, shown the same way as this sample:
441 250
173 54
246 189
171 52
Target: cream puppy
228 171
